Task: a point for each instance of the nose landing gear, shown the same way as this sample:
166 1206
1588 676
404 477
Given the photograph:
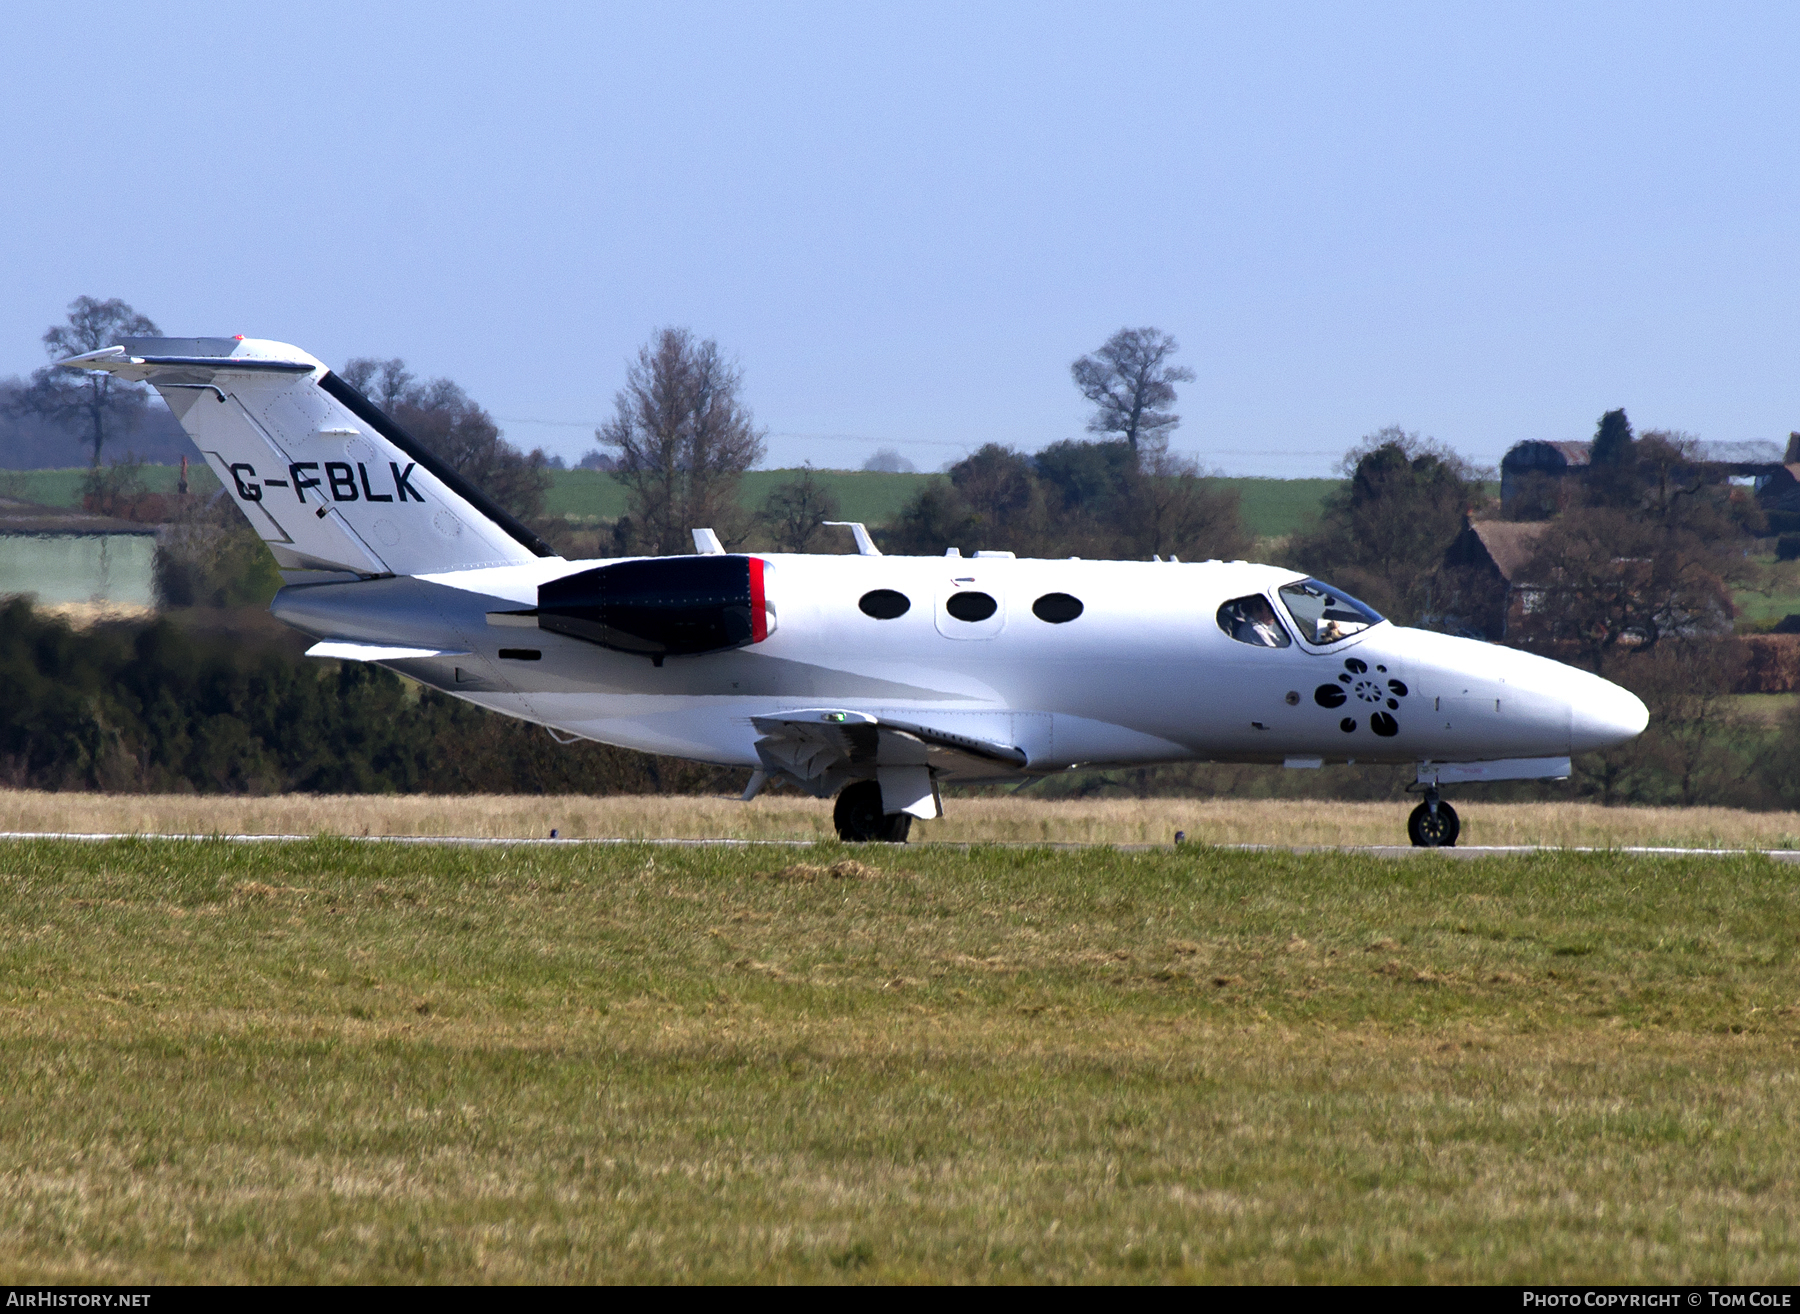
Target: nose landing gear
1433 824
860 820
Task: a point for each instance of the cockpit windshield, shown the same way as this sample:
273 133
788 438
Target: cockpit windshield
1324 614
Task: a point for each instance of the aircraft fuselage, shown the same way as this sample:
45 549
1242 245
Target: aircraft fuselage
1145 673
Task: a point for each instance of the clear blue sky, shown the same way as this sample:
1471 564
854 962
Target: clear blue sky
1487 223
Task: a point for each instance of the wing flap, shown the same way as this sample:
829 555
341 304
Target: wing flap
822 749
377 652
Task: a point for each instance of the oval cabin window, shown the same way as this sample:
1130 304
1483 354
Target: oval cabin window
971 607
885 604
1057 608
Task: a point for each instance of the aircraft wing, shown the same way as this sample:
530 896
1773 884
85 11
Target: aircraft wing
822 750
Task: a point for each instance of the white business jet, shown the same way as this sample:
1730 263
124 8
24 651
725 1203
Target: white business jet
874 678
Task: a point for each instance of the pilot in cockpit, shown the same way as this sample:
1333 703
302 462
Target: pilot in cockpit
1252 620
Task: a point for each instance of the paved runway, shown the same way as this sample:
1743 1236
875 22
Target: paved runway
1368 850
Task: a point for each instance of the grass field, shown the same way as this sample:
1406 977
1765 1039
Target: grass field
1779 596
968 820
338 1062
1275 508
1272 507
872 498
63 487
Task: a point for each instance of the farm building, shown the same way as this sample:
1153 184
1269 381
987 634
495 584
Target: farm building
1488 557
74 560
1535 476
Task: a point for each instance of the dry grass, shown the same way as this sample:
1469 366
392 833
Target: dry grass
331 1062
86 615
1110 821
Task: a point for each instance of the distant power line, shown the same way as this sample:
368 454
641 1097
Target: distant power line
1333 452
1203 454
773 433
865 438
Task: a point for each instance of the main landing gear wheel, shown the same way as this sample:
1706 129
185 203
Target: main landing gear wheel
860 820
1433 824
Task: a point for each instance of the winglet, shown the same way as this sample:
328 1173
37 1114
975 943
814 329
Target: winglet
865 546
94 360
706 543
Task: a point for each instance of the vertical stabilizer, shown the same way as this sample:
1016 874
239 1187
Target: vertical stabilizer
328 480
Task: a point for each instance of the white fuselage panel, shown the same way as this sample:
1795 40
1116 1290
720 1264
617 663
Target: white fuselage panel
1144 673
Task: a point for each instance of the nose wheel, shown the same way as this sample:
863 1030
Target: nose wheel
860 820
1433 824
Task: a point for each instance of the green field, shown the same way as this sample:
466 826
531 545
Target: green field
63 487
336 1062
872 498
1272 507
1777 596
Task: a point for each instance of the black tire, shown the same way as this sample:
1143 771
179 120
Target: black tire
860 820
1433 832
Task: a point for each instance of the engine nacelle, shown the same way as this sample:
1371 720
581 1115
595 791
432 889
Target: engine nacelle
663 606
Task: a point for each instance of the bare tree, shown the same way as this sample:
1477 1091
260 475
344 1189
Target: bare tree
457 430
1604 580
937 517
795 510
1131 384
1678 487
1687 755
384 382
1090 499
1171 507
999 485
1384 532
888 461
684 439
95 404
209 556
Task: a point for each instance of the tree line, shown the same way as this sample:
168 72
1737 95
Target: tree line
682 438
157 707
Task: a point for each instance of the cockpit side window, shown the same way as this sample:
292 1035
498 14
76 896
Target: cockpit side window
1252 620
1324 614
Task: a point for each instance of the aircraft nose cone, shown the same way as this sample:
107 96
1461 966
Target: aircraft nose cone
1603 715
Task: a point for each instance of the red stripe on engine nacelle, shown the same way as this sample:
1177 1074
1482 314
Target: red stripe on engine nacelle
759 613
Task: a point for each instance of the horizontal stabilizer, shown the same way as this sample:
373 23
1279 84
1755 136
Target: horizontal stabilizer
148 369
377 652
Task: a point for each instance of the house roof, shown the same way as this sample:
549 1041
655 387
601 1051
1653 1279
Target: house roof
1750 451
20 518
1532 454
1510 543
